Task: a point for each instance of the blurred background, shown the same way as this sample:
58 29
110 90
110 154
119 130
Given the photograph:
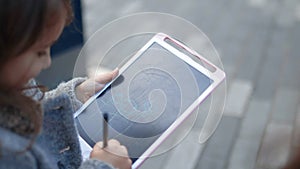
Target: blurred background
258 42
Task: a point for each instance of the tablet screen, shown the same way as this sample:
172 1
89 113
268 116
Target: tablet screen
147 97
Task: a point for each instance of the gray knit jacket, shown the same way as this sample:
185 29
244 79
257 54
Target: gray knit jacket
57 146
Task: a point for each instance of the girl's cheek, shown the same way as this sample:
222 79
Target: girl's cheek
32 73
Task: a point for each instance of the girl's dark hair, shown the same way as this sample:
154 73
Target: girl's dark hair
22 23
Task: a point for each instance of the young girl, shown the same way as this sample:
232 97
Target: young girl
37 130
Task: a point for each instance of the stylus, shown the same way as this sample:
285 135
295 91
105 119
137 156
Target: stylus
105 129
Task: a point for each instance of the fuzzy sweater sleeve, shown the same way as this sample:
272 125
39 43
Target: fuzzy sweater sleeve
69 89
95 164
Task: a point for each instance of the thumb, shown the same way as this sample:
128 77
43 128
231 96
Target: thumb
107 77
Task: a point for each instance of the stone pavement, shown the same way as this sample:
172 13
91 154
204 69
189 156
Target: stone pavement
258 41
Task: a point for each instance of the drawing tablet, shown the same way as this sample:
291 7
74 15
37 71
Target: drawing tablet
156 90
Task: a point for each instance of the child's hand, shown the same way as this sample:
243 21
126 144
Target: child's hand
92 85
114 154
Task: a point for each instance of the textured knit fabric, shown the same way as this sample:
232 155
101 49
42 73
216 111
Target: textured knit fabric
16 121
69 89
57 146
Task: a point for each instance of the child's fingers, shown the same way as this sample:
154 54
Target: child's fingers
99 145
107 77
113 147
115 72
114 142
98 87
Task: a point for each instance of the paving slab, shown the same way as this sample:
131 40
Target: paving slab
243 154
238 98
250 135
253 54
275 149
290 73
186 154
296 138
285 106
268 77
215 154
